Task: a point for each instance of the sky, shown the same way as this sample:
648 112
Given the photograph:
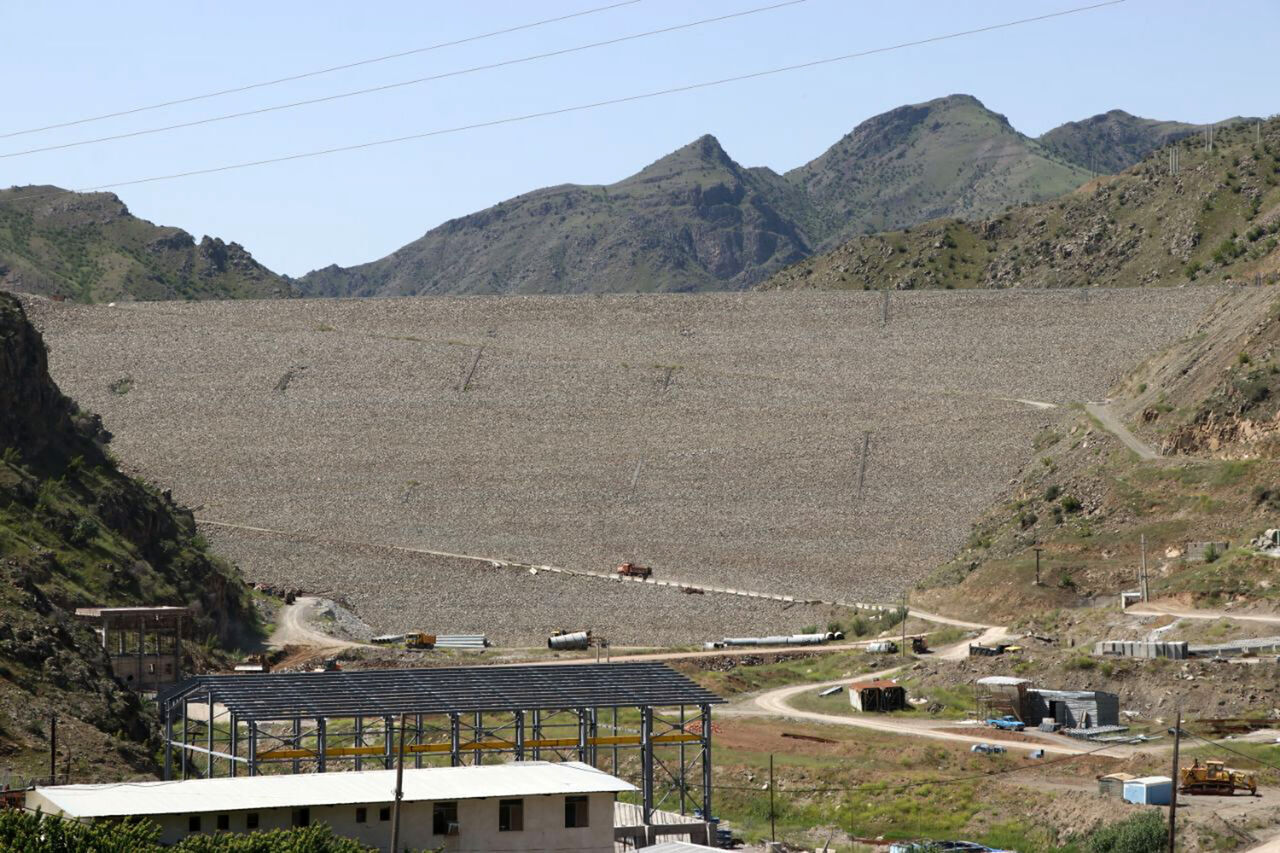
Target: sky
1191 61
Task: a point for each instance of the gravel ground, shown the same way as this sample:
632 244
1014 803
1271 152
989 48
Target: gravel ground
738 417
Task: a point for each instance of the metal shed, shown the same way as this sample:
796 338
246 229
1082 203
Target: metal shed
877 696
318 721
1149 790
1075 709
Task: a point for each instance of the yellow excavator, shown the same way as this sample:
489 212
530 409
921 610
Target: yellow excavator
1215 777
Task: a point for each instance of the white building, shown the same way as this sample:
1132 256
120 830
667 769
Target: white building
527 805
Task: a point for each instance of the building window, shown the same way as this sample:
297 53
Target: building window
384 813
224 822
444 819
251 820
193 823
575 812
302 817
510 815
362 815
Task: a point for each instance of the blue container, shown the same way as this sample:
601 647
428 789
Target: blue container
1149 790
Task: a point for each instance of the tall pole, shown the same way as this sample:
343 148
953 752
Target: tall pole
904 623
1142 571
1037 550
773 825
395 807
1173 798
53 748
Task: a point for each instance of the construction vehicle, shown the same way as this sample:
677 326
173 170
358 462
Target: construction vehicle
919 646
631 570
1215 777
419 640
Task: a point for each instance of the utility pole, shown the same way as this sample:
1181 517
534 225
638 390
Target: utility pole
1173 797
904 623
773 825
395 807
53 748
1037 549
1142 570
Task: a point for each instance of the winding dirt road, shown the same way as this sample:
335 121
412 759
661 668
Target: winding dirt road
293 628
1168 608
1112 424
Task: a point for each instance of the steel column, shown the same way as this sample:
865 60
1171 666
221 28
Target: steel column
388 754
235 744
417 756
519 735
646 761
297 742
359 741
168 741
184 737
253 747
208 724
537 733
477 734
455 740
322 743
706 762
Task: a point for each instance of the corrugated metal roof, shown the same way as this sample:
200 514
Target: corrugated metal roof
1006 680
517 779
882 684
631 814
381 692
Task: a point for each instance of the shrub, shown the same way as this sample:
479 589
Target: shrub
1051 493
1071 504
1141 833
1211 553
1081 662
83 532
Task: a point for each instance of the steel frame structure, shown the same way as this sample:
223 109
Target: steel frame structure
604 715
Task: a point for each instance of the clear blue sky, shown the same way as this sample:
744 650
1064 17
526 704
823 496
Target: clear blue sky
1191 61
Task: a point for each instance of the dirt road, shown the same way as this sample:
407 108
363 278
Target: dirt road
1169 608
293 628
1113 425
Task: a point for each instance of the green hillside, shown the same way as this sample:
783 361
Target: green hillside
89 248
74 531
698 220
1113 141
1217 219
947 157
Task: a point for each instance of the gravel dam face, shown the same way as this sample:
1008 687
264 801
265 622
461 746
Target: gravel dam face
717 438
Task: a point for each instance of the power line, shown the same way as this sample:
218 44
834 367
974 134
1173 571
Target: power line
402 83
583 107
304 75
1242 754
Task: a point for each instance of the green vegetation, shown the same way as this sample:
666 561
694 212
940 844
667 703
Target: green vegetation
1114 233
1142 833
33 833
88 248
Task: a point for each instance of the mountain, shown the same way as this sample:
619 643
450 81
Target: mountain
89 248
947 157
694 220
1111 142
1217 218
74 531
698 220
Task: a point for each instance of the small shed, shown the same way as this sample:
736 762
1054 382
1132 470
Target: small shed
1112 785
877 696
1149 790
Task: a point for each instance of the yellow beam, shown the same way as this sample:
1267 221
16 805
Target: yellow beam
489 745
